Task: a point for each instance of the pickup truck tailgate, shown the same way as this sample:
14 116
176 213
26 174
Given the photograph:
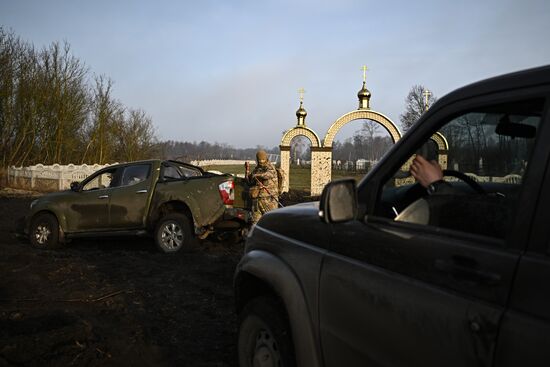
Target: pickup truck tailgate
242 199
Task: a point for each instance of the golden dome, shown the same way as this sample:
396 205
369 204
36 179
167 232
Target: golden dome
301 112
364 97
364 92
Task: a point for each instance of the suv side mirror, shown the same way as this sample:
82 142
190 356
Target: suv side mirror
338 201
75 186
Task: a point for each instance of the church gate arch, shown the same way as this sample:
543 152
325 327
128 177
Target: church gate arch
361 114
442 149
300 130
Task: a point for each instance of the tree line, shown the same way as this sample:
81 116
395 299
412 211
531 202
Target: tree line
53 110
367 143
188 151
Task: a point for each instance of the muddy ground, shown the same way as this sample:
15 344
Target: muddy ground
114 302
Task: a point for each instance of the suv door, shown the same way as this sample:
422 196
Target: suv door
523 339
394 293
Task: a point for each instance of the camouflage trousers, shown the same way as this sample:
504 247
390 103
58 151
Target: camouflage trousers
262 205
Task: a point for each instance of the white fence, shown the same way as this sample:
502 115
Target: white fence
508 179
49 178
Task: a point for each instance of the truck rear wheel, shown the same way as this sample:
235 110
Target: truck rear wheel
264 335
44 231
173 232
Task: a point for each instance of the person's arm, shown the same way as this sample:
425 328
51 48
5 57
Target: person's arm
426 172
430 175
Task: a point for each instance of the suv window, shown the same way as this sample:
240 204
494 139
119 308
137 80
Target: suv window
135 174
492 146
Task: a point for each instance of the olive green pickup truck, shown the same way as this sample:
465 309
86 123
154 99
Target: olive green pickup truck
172 201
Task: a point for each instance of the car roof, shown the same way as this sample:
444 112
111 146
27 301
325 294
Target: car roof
520 79
146 161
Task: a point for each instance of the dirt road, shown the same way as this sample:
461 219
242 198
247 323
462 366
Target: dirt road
114 302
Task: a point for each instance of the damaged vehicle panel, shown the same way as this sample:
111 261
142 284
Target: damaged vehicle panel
173 201
389 273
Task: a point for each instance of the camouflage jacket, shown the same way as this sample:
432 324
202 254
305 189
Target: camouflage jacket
267 177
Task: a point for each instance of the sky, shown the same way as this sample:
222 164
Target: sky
229 71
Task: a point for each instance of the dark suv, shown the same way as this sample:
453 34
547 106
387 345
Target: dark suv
388 274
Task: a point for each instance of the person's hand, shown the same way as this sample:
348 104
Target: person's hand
425 172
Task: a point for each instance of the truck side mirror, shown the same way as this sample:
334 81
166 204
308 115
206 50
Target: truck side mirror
338 201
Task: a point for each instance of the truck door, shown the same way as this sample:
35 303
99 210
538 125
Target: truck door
88 209
129 201
427 290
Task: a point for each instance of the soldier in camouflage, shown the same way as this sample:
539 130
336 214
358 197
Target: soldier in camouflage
264 189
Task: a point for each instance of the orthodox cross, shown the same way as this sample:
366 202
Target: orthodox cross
301 91
427 94
364 68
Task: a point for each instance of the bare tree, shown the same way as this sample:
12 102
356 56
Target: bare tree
105 120
135 137
63 100
17 78
368 131
415 106
49 114
300 148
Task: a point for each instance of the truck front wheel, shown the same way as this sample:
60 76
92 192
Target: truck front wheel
264 335
173 232
44 231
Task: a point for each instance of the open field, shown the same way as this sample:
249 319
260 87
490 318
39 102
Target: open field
300 177
232 168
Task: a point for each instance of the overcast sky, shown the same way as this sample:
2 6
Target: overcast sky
229 71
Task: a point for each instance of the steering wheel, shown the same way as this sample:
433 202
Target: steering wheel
467 179
416 191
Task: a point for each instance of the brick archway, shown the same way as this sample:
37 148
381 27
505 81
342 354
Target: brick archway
442 148
321 152
285 152
300 131
324 154
386 123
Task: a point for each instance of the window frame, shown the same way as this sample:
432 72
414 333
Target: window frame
123 169
166 165
540 231
114 172
179 166
370 189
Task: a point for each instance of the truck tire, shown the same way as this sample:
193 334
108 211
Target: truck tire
264 335
44 231
173 232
